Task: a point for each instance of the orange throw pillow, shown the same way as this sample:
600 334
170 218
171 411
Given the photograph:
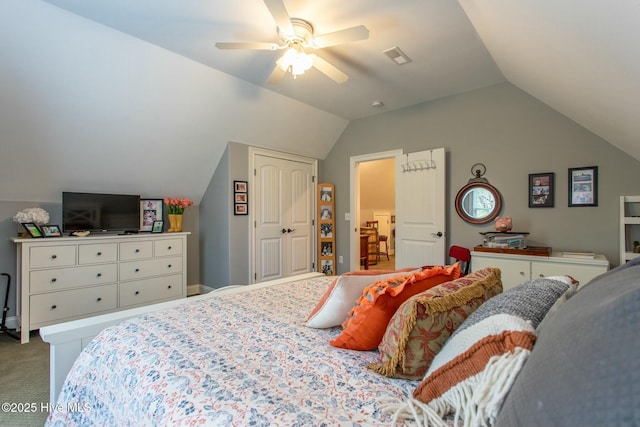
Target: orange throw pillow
368 319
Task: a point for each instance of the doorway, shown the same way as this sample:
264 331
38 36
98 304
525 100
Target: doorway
420 220
377 208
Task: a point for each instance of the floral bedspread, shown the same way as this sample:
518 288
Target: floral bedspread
232 360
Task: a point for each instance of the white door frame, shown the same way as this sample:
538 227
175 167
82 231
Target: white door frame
354 208
253 152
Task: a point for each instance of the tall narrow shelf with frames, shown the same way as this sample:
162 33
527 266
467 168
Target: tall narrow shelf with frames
326 229
629 227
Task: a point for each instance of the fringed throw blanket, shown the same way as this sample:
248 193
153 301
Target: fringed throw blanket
472 374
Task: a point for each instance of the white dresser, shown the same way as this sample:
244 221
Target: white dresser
517 269
67 278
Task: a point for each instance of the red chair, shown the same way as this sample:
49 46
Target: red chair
463 255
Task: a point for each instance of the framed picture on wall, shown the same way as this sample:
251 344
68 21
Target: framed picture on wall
583 186
240 198
541 191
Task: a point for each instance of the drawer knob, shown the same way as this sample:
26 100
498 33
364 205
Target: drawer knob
169 266
522 273
53 307
99 299
137 250
99 253
137 293
137 270
169 248
54 280
54 256
169 287
99 275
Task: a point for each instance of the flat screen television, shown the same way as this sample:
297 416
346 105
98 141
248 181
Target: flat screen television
99 212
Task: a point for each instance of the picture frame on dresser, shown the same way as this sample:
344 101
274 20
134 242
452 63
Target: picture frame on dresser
51 230
32 229
150 210
583 186
157 227
541 190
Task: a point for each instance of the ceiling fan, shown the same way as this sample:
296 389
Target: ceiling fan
297 36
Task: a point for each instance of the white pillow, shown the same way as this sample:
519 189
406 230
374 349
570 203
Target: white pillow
344 291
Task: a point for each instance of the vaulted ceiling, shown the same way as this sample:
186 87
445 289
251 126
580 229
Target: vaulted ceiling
114 81
581 57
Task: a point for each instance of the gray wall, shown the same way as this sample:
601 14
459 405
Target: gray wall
514 135
224 238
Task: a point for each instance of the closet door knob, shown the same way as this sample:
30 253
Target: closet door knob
99 299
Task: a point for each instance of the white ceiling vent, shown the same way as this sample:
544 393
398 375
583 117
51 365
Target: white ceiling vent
397 56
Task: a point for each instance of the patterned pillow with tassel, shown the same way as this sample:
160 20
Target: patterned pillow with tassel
472 374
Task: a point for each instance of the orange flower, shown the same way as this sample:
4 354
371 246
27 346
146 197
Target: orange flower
176 205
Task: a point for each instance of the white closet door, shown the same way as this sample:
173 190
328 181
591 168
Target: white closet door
420 208
283 217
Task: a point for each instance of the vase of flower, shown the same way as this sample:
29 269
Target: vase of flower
175 223
175 210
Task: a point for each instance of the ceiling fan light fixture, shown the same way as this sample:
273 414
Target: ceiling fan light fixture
295 61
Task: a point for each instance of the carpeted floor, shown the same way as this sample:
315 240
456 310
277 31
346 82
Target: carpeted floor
24 381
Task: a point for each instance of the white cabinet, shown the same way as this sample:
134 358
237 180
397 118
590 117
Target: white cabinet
629 227
67 278
517 269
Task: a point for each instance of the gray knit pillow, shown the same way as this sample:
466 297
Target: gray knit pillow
585 367
473 372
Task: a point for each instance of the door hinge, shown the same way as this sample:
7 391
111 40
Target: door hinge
313 222
255 276
313 266
255 173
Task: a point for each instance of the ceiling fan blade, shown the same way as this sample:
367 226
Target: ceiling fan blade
276 75
280 15
342 36
255 46
328 69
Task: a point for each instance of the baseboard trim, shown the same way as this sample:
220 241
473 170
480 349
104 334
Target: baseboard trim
193 290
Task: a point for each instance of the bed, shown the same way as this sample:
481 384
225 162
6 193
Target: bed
237 357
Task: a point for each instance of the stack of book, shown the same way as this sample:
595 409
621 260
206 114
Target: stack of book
505 240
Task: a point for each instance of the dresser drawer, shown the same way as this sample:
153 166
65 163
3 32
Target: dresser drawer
145 291
57 306
98 253
62 278
167 247
149 268
52 256
136 250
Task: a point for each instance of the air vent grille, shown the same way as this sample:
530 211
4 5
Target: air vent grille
397 55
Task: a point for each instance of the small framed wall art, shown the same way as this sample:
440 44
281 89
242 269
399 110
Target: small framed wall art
583 186
150 210
541 191
240 198
51 231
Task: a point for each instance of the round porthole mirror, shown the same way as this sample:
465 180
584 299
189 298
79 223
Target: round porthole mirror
478 202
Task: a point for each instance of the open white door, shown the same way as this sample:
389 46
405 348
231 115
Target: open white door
420 208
